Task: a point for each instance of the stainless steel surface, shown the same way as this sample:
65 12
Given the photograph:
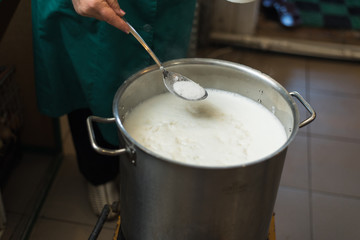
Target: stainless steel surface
308 108
163 199
169 78
92 137
143 43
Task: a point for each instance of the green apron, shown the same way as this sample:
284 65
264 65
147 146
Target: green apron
81 62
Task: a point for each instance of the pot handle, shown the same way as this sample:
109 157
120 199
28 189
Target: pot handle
308 108
104 151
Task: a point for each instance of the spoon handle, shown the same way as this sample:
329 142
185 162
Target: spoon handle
143 43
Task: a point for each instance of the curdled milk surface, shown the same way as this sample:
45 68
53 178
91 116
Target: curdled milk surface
225 129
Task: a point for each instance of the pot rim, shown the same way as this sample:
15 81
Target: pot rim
209 61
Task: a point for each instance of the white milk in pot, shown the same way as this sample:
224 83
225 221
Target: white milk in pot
225 129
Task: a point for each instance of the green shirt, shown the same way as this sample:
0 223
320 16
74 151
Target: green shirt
80 62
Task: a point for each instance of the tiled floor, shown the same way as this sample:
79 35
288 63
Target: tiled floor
319 196
24 192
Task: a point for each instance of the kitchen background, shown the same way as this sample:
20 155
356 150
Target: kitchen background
44 196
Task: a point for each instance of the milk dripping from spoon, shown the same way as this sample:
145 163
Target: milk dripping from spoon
176 83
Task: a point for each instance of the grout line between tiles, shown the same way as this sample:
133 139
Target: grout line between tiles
293 188
76 223
335 93
329 194
311 222
308 133
24 227
335 138
339 195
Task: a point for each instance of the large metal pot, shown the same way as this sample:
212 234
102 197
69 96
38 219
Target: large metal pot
165 200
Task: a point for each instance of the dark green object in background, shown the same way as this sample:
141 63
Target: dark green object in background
336 14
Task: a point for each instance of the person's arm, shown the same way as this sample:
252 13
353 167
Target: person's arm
104 10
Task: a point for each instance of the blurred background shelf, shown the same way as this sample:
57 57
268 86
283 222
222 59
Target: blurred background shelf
246 25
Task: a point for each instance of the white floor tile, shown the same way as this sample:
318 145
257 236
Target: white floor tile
24 182
336 115
68 199
292 215
335 166
334 76
60 230
295 172
64 127
336 218
10 227
66 138
68 147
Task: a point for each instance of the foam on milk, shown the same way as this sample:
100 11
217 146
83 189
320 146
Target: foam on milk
225 129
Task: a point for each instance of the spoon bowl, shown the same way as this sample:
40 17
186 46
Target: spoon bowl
175 83
183 87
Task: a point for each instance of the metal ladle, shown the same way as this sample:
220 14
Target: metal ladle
176 83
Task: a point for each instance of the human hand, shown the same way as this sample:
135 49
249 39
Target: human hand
103 10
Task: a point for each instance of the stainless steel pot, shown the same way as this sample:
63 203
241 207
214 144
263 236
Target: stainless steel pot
165 200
